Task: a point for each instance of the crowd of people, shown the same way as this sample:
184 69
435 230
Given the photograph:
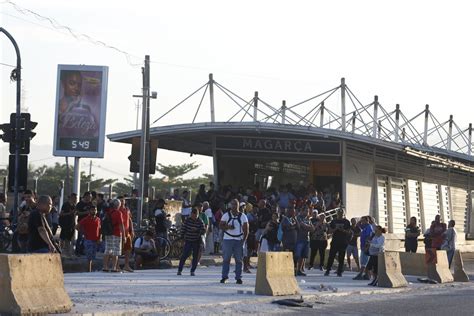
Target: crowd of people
235 223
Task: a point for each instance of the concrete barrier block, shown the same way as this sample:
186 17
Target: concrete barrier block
439 271
413 263
390 271
459 274
32 284
276 274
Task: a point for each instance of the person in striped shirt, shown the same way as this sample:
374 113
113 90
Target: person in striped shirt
191 231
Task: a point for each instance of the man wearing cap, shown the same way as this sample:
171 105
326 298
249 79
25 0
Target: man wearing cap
340 228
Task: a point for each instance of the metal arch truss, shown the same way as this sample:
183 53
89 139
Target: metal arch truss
338 109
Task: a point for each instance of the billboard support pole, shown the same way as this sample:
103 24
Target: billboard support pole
76 186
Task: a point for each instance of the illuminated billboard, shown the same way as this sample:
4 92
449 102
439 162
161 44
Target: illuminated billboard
81 106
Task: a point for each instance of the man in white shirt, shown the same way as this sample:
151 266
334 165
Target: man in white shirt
186 206
450 241
236 230
209 237
145 250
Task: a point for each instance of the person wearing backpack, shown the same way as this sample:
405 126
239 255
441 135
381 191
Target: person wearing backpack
236 229
145 250
114 233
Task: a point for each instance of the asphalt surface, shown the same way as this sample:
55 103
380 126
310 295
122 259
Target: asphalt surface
455 301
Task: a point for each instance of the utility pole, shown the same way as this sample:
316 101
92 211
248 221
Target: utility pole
16 75
145 139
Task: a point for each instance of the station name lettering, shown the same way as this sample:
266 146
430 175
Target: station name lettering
277 145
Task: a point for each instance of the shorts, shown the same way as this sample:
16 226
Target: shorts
302 249
127 245
149 256
353 250
289 246
364 259
373 264
216 234
90 249
113 245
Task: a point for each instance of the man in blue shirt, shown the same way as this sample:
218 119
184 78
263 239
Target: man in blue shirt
365 236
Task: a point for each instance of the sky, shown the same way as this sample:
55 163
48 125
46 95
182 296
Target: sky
407 52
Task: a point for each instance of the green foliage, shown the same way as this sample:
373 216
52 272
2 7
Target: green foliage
175 173
173 178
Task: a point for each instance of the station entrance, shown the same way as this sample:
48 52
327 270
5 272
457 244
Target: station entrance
244 162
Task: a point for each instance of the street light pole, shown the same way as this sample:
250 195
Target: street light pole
16 75
145 138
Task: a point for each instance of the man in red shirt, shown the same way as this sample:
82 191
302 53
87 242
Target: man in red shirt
128 226
113 241
90 227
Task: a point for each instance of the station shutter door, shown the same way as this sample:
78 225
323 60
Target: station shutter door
398 218
382 201
459 200
445 203
431 205
414 202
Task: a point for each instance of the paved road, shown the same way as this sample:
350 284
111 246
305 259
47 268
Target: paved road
446 301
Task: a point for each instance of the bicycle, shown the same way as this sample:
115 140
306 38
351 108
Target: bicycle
163 245
177 242
6 236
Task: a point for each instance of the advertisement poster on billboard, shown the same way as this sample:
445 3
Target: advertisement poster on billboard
81 106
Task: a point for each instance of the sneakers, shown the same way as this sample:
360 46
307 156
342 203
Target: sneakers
310 268
326 273
179 273
239 281
224 280
358 277
321 268
192 274
299 273
374 282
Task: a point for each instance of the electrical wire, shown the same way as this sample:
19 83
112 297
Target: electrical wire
79 36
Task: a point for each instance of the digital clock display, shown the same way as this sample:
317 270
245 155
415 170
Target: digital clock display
89 144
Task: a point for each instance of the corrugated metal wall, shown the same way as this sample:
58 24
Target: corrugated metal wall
406 186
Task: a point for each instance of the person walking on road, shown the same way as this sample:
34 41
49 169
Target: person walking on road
235 226
192 232
114 232
341 232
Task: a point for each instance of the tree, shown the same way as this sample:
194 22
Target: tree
175 173
173 178
50 178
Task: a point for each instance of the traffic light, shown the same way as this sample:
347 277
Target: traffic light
135 156
8 132
25 133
